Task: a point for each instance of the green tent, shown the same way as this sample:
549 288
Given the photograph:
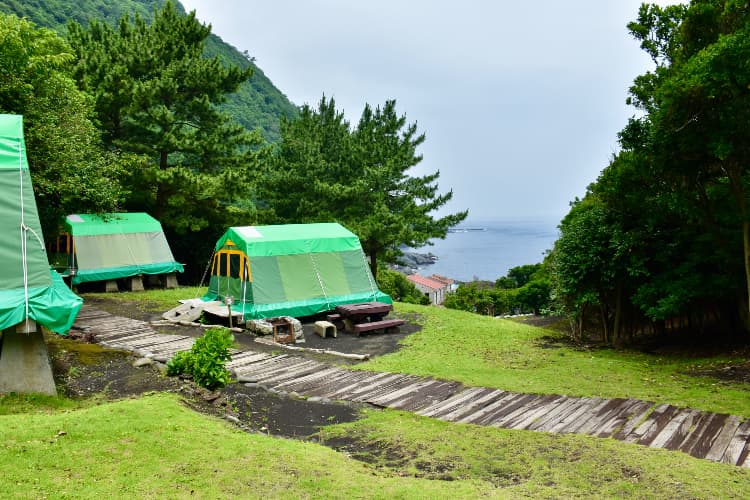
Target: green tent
112 246
291 270
28 288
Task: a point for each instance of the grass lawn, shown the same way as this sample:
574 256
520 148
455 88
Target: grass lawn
154 300
154 447
483 351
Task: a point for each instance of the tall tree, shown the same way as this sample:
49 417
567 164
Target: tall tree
70 170
156 96
358 177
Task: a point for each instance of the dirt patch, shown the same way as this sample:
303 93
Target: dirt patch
738 372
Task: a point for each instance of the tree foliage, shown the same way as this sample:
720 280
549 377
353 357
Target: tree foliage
524 289
155 96
662 239
357 176
69 169
257 103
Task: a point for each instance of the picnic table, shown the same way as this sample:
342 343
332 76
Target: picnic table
366 316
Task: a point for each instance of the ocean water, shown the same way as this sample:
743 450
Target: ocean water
486 249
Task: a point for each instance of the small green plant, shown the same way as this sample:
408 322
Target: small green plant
205 361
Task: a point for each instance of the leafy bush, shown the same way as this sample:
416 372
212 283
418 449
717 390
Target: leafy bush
205 361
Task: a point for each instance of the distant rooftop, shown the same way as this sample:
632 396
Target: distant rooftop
427 282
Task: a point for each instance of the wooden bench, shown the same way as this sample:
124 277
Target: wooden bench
333 318
377 325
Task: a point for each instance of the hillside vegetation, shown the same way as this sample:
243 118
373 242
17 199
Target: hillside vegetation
258 104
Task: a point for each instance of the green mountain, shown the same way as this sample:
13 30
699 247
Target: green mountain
257 104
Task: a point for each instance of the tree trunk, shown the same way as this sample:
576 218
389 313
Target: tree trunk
617 327
373 251
605 325
735 182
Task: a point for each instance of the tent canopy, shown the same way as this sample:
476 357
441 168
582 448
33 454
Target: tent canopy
294 269
119 245
28 288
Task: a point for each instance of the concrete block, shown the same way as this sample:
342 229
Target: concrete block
172 280
111 286
24 363
325 329
136 284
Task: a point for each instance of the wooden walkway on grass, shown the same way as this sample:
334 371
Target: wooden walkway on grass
711 436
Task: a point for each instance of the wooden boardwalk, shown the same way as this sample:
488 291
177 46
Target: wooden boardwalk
711 436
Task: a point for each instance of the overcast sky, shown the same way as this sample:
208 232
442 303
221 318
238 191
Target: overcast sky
520 102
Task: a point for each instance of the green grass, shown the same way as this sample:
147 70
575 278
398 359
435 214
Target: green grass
530 464
488 352
155 300
154 447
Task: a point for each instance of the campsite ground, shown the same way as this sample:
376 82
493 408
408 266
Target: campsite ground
87 370
395 454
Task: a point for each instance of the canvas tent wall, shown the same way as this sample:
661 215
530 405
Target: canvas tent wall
112 246
28 288
291 270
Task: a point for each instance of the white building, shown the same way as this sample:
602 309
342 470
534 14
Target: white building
435 290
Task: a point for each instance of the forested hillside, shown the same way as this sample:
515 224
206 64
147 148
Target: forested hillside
257 103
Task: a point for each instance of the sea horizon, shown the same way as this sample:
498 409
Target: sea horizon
485 248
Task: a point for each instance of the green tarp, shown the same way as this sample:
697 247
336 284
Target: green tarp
292 270
28 288
113 246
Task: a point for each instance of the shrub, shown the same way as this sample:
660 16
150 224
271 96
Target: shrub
205 361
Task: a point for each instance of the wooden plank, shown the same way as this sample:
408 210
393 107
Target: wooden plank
340 392
501 398
387 389
436 390
456 401
502 418
270 371
506 403
637 433
351 380
618 417
514 409
297 372
737 444
147 339
345 378
298 384
463 403
286 371
554 412
172 347
699 425
585 420
394 396
723 438
583 409
710 430
601 415
683 431
369 384
531 416
660 422
260 366
638 413
671 430
238 362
